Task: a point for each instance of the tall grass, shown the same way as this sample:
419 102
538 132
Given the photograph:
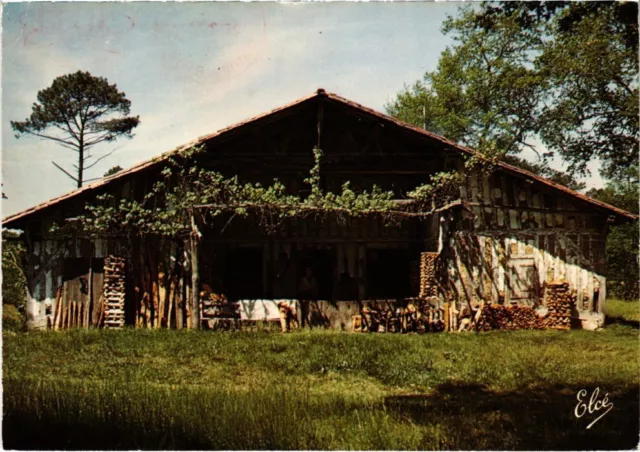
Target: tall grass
136 389
97 415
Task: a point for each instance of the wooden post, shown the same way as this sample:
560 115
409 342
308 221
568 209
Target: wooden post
320 117
89 303
447 312
179 303
58 309
195 274
63 312
361 271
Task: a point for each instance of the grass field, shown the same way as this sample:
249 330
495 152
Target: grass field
138 389
624 312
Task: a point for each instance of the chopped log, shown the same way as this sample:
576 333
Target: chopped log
428 287
356 323
112 313
560 301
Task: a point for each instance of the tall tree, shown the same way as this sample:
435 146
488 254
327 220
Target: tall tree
482 94
593 108
560 73
79 111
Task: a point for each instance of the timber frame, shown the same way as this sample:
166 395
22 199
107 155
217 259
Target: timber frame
510 234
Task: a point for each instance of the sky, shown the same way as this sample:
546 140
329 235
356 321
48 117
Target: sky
190 69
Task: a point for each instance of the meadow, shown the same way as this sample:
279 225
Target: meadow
159 389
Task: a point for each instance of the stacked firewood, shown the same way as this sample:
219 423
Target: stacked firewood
417 316
114 292
429 315
380 320
500 317
216 312
431 319
560 300
428 286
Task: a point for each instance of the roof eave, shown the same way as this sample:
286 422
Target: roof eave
320 93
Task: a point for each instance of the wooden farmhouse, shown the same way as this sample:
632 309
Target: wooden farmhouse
504 238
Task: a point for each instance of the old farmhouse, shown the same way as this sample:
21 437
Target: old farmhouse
502 238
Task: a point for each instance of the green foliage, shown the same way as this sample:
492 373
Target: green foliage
482 93
12 318
622 261
623 241
188 193
14 286
79 111
113 170
621 192
564 73
594 110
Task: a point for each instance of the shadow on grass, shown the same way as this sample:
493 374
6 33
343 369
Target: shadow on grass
621 321
475 417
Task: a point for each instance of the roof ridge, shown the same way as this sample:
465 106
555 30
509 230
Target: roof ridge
320 92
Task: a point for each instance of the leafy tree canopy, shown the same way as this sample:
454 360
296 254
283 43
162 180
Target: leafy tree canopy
113 170
79 111
562 73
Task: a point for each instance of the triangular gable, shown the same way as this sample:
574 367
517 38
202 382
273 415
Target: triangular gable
320 93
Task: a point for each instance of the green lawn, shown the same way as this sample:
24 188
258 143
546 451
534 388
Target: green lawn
318 390
623 310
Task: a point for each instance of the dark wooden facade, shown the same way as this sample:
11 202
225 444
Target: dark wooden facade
517 233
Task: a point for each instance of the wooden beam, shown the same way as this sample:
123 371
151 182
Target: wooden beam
195 274
319 120
329 171
533 209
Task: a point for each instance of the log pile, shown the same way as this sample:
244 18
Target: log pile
560 300
423 316
417 316
216 312
428 287
500 317
114 292
379 320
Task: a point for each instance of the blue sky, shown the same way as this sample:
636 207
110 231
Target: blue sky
193 68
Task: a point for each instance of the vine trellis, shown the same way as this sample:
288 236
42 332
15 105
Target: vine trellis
187 196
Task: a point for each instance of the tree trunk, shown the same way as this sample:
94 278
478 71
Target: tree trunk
80 161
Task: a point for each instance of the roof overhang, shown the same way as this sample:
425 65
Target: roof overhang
16 220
